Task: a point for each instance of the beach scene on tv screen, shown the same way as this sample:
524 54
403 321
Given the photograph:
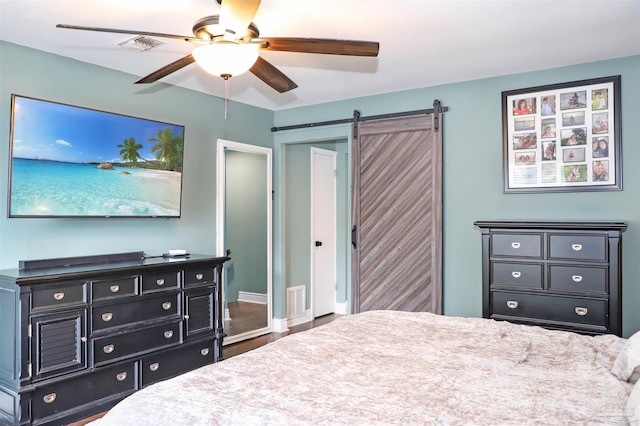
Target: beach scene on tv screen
73 161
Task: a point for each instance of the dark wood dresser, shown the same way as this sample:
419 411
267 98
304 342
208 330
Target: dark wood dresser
80 334
559 275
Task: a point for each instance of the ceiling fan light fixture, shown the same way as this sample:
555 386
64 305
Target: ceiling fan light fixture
224 58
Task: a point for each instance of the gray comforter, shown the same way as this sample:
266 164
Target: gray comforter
386 367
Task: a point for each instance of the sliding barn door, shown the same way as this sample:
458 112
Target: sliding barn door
397 215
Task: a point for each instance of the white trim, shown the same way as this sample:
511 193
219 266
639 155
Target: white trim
227 340
279 325
342 308
247 296
307 317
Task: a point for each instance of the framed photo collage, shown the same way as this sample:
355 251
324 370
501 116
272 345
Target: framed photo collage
563 137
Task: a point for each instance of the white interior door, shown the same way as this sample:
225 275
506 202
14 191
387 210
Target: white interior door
323 231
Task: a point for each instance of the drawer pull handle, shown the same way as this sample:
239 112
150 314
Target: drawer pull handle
114 288
160 281
199 276
166 306
83 339
576 278
515 245
512 304
154 366
121 377
107 316
49 398
576 247
58 296
108 349
204 351
186 316
581 311
168 334
516 274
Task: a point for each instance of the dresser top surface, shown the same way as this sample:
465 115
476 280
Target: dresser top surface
533 224
27 275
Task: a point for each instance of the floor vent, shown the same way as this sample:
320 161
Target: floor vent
296 301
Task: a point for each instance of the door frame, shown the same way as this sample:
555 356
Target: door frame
222 146
313 208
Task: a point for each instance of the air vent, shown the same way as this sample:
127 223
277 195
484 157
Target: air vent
140 43
296 301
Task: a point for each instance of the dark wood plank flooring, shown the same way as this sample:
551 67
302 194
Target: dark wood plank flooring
245 317
246 345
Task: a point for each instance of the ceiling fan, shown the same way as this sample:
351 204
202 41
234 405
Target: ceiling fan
229 45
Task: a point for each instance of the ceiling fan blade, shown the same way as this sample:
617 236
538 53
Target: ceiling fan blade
167 69
272 76
236 15
119 31
319 45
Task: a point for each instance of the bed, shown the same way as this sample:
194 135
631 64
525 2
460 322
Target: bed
386 367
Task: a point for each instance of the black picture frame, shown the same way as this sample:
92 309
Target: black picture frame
563 137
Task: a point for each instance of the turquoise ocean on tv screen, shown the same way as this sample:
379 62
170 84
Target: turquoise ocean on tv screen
51 188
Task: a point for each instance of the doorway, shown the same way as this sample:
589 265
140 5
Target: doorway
323 231
244 234
297 236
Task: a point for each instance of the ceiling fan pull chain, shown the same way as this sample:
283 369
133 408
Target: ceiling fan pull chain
226 93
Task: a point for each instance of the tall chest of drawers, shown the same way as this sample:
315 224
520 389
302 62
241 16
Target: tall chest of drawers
78 338
559 275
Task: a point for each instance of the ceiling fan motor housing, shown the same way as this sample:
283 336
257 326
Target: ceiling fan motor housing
208 28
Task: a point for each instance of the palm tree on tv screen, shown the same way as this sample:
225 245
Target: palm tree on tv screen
130 150
168 148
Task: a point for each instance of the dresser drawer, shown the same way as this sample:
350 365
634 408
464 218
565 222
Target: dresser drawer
127 313
159 281
170 363
112 383
550 308
516 245
517 275
198 276
116 287
63 295
578 247
578 279
119 346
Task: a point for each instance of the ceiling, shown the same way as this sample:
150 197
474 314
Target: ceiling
422 42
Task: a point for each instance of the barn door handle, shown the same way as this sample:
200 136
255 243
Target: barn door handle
353 237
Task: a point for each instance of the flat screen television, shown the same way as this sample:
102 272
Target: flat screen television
70 161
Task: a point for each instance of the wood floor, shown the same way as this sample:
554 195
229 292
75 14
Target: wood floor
245 317
247 345
234 349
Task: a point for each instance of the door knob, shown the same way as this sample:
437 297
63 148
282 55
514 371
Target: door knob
318 243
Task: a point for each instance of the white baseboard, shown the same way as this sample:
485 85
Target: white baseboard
279 325
342 308
246 296
307 317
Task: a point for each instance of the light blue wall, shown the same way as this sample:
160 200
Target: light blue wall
473 170
41 75
472 166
